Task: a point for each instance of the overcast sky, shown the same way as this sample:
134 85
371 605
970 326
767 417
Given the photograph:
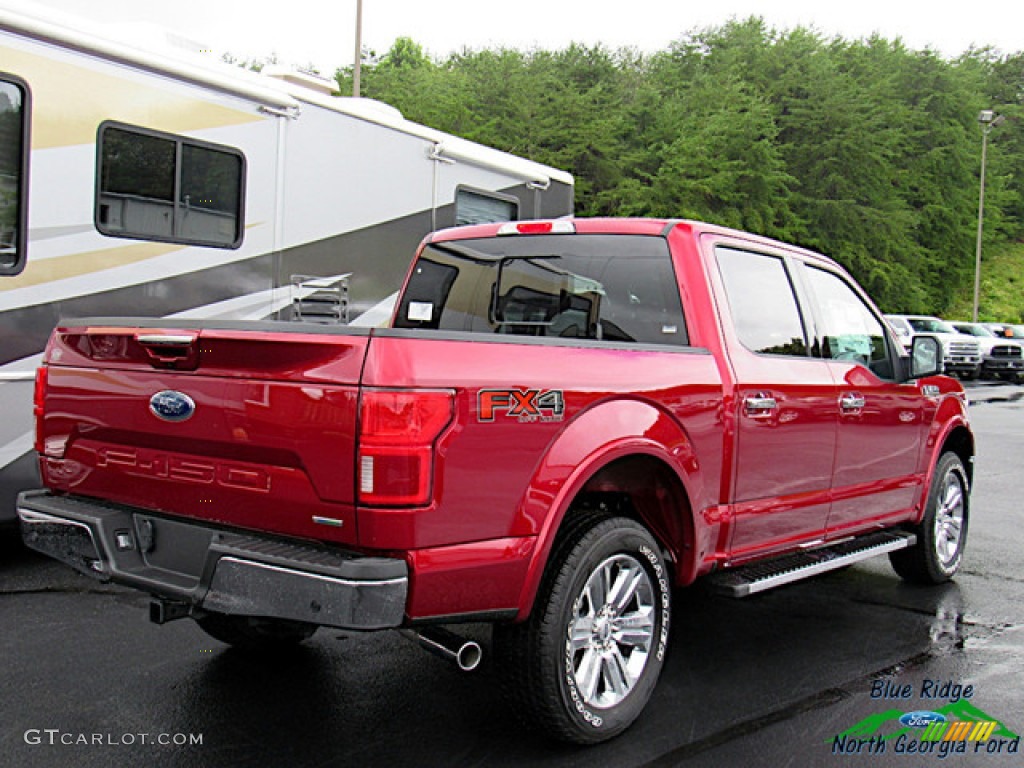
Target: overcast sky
321 32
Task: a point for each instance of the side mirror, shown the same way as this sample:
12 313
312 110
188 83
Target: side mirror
925 357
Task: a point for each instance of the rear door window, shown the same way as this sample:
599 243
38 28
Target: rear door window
762 302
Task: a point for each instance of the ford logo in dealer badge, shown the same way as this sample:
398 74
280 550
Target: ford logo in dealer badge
172 406
922 719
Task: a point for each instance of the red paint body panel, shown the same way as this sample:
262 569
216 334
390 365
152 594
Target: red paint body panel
496 479
483 574
274 438
879 473
269 446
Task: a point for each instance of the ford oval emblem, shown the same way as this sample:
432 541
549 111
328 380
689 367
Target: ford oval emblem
922 719
172 406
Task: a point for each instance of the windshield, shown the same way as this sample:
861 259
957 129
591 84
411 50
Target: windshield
930 325
975 330
898 324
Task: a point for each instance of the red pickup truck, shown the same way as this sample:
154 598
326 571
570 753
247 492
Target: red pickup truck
565 421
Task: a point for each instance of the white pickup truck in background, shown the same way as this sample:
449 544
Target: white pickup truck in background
961 356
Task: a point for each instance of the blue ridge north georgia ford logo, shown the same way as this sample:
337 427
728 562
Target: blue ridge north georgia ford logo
172 406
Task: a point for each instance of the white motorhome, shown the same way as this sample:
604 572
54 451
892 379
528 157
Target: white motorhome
141 181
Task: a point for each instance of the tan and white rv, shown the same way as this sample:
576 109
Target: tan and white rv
138 179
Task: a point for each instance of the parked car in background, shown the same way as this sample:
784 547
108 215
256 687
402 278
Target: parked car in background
1007 331
1000 330
1000 356
903 329
960 355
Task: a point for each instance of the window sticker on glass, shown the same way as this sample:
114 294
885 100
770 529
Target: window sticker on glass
421 311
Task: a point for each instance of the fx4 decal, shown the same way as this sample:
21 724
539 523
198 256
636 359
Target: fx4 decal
525 405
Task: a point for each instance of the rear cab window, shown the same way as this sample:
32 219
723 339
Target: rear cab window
611 288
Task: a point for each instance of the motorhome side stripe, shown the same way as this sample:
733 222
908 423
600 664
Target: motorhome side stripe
86 262
200 288
68 110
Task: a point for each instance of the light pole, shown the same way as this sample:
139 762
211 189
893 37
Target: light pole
988 120
358 65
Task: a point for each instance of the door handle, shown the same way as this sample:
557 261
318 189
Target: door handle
852 401
759 405
178 351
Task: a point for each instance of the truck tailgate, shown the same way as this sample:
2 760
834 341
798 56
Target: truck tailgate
245 425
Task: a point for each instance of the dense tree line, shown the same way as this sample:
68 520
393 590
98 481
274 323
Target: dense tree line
865 150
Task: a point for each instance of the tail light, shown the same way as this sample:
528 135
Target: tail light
398 432
38 398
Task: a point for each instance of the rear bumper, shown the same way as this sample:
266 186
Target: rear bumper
216 570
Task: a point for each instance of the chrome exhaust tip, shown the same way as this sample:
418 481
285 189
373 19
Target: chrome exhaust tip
465 654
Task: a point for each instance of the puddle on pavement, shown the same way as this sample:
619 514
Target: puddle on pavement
947 630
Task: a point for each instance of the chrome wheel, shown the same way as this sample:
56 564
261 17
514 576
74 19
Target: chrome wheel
584 665
611 631
942 533
949 519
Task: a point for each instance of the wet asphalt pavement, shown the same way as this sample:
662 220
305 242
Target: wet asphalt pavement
772 680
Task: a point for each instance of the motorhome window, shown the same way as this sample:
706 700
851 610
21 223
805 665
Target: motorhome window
155 186
476 207
764 309
615 288
14 120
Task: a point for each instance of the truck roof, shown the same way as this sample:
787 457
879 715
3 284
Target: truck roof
613 226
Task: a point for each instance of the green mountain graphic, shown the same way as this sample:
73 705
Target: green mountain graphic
872 725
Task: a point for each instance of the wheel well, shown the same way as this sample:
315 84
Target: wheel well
647 490
961 443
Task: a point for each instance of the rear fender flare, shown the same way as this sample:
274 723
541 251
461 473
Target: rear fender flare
603 434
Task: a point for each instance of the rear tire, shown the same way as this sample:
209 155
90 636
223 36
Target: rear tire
255 633
942 534
585 663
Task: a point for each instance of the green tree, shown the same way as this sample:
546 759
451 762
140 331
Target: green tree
865 150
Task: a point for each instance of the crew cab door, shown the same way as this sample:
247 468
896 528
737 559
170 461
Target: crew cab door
881 421
784 405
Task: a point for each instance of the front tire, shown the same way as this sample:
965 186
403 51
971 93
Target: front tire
585 663
942 534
